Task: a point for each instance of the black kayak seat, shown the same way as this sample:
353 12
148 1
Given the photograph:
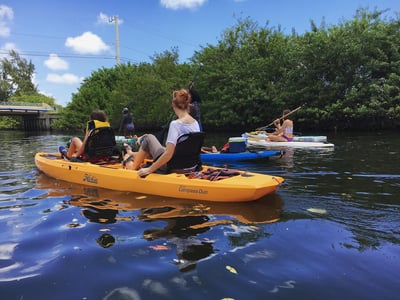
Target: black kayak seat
187 153
101 145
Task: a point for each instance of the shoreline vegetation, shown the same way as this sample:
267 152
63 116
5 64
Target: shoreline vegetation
345 77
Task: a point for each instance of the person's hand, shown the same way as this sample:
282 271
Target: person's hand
143 172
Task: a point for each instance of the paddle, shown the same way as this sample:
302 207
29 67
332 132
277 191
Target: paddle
197 72
284 116
161 134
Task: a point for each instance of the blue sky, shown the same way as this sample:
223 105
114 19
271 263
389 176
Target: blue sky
68 40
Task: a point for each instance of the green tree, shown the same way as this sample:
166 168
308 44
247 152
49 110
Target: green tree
16 76
241 79
145 89
16 85
347 74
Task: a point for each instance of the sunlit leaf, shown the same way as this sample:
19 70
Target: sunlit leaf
317 210
231 269
159 247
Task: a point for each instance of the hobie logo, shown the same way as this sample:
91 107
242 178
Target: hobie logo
89 178
184 189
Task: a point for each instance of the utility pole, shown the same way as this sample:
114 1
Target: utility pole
115 20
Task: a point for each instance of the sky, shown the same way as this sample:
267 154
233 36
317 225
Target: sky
69 40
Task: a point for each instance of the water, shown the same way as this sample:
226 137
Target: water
331 232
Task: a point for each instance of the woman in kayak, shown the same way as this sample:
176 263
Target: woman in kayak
150 147
284 131
76 146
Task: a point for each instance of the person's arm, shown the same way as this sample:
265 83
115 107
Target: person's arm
162 160
195 95
277 124
282 128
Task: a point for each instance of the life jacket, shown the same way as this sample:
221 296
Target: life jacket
93 124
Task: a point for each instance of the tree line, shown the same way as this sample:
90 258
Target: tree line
345 76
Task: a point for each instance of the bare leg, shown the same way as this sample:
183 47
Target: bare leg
139 159
275 138
76 144
150 147
209 149
129 157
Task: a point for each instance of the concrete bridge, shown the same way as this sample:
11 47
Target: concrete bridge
36 116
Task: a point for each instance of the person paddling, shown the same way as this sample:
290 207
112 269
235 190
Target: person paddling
284 131
127 123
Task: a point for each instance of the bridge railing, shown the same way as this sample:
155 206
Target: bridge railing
24 106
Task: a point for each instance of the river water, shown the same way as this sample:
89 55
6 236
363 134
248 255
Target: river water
332 231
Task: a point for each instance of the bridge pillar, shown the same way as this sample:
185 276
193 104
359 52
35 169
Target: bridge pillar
39 122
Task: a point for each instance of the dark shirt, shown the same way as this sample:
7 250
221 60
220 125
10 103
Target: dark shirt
127 119
195 95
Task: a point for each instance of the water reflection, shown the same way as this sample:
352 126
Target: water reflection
185 220
340 216
105 204
183 233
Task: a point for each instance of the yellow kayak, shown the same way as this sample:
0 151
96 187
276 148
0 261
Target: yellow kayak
211 184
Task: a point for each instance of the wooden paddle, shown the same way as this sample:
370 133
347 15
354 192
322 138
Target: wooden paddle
284 116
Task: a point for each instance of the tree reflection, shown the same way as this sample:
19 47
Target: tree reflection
183 233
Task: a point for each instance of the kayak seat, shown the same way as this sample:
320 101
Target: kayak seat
101 146
186 158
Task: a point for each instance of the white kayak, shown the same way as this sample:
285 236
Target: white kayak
124 139
297 138
252 143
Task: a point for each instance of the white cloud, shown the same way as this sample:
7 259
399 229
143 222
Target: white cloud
6 15
66 78
9 46
182 4
47 94
56 63
5 50
103 18
87 43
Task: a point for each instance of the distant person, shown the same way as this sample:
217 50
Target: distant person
150 146
195 103
284 131
76 146
127 123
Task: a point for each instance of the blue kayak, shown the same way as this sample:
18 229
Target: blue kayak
240 156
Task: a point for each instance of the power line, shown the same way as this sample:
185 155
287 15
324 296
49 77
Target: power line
77 56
